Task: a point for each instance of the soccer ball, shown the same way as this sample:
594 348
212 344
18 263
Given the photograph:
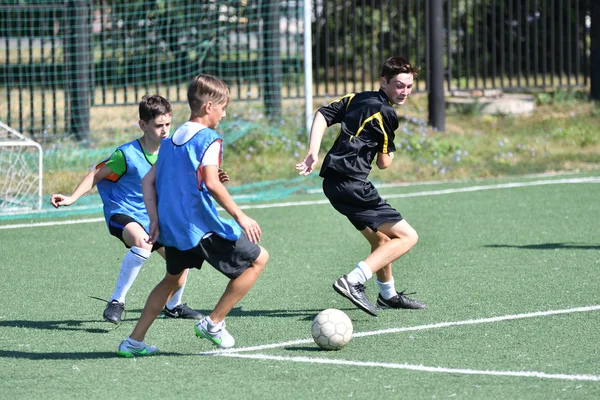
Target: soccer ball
332 329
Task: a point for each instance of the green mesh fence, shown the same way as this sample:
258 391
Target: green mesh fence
72 72
63 158
62 60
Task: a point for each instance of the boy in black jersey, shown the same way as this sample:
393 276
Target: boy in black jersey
368 121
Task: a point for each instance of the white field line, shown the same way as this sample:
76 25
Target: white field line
325 201
442 191
413 328
52 223
315 360
441 182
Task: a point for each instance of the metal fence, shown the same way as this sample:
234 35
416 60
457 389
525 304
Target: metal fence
109 52
506 44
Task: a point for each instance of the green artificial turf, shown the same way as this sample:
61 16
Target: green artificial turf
487 261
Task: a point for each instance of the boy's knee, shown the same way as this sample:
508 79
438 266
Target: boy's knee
413 238
261 260
142 244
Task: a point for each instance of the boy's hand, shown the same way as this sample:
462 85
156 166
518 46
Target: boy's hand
251 228
58 200
308 164
154 232
223 176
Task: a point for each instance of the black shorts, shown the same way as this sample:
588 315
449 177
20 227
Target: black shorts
360 202
228 257
117 223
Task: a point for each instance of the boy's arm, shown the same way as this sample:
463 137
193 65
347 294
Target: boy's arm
149 193
218 191
86 184
386 150
316 136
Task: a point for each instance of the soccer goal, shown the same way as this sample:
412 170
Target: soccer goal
21 171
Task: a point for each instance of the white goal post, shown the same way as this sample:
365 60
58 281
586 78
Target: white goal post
21 171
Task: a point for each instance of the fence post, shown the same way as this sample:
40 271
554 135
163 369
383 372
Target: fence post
595 51
78 66
272 60
435 65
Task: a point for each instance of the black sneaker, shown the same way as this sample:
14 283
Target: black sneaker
355 293
400 300
113 311
183 311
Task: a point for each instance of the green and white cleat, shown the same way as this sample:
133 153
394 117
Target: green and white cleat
219 336
128 350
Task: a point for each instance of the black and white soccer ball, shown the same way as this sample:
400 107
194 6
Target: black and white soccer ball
332 329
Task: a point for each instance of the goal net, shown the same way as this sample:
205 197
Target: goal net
20 172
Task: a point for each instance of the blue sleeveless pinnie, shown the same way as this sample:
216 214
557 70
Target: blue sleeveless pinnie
124 195
186 211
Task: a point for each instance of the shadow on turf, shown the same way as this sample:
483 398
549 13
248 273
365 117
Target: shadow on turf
66 325
548 246
311 349
306 315
237 312
79 325
71 356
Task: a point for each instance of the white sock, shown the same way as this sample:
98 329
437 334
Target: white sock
134 342
212 327
360 274
387 290
130 268
175 300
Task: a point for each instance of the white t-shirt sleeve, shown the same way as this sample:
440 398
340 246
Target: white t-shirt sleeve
212 156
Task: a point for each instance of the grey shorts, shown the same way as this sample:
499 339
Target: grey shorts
228 257
360 202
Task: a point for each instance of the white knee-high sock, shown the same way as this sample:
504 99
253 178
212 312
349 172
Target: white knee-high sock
130 268
175 300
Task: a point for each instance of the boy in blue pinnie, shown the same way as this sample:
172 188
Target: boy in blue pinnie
179 192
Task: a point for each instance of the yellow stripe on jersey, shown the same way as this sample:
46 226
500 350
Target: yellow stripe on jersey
376 116
351 95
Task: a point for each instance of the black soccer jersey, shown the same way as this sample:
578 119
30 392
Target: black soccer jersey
368 121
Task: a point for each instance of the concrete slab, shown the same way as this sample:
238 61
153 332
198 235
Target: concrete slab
504 104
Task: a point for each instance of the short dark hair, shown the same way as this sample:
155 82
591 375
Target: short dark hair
153 106
398 65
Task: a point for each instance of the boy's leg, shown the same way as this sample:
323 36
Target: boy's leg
392 240
402 238
156 301
174 307
237 288
133 235
377 239
388 296
212 327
